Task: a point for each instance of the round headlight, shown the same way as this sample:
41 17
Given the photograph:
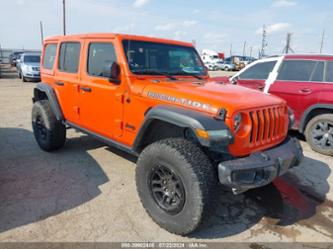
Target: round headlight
237 120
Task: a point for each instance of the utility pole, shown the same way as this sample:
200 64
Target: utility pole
263 42
244 47
41 32
230 49
322 41
251 51
288 48
64 15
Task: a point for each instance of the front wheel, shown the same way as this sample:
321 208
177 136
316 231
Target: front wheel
175 182
50 133
319 134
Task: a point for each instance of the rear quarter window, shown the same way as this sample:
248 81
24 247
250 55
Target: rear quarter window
49 56
296 70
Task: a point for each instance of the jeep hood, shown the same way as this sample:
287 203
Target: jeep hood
209 96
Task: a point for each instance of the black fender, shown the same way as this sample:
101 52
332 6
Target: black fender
51 96
219 133
304 118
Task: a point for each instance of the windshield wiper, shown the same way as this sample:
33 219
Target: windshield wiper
154 72
189 74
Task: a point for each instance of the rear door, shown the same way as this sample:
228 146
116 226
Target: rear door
66 77
101 101
255 76
300 83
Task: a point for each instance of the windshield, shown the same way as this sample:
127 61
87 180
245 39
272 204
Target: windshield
32 58
159 58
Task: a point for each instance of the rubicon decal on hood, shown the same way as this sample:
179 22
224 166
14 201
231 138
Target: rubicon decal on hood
182 101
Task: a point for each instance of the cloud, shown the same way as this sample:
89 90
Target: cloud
164 27
195 11
189 23
140 3
284 3
213 38
274 28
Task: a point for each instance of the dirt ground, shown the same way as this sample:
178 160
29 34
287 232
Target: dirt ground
86 191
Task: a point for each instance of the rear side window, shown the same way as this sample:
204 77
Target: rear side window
258 71
100 57
69 57
296 70
329 71
49 56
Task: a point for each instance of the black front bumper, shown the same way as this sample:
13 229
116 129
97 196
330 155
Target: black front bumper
260 168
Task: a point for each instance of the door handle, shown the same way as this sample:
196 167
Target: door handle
59 83
85 89
305 90
261 87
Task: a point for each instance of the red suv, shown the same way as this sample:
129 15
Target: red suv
306 83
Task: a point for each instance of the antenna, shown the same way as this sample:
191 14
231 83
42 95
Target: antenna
41 32
288 48
322 41
251 51
263 42
64 15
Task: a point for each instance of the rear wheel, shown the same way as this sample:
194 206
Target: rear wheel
319 134
175 182
50 133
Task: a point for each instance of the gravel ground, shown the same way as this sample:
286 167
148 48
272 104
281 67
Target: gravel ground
86 191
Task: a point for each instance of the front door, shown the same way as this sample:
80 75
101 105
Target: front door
255 76
100 101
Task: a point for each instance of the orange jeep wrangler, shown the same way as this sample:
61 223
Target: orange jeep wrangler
153 98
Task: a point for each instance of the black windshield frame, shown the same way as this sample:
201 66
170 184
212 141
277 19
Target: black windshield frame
139 46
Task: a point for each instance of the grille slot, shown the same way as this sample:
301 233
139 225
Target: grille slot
267 125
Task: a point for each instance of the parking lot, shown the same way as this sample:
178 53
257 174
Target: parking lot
86 191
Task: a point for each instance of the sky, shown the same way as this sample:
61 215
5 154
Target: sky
213 24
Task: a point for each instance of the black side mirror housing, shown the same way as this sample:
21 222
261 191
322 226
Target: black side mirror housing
112 71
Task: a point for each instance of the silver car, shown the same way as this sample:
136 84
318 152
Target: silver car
29 67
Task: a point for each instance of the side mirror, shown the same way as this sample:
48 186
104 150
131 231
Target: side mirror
112 71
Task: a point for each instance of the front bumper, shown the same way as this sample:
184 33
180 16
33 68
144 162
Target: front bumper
31 75
260 168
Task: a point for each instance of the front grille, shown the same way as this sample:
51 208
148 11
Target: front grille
35 69
268 125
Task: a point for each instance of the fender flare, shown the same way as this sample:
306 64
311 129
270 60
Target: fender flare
51 96
302 122
219 133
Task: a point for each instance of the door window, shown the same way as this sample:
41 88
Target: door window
318 73
100 58
329 71
69 57
258 71
49 56
296 70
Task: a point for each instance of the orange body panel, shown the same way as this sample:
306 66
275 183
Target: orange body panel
117 111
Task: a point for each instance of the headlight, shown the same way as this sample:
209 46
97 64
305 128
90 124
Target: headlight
237 120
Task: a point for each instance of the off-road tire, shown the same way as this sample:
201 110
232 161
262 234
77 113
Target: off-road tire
198 177
328 150
50 133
